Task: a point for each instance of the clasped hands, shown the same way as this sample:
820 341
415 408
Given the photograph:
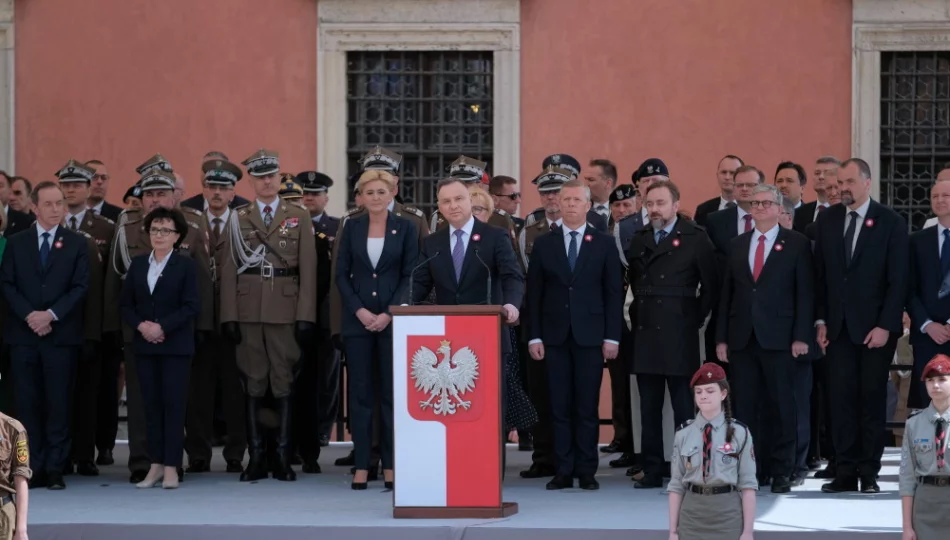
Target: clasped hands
373 322
152 332
40 322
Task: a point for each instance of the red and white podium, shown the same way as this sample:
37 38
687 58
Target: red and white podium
447 377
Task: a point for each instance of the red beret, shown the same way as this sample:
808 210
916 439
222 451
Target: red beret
939 365
708 373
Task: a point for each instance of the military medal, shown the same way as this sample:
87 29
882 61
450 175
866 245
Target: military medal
283 244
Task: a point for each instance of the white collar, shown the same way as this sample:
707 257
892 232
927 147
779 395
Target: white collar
742 213
318 218
467 227
558 222
79 217
861 210
224 217
151 258
273 206
723 203
40 231
392 204
97 208
940 229
769 235
580 230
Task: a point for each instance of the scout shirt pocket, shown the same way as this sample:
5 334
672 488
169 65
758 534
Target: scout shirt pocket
6 446
726 462
924 454
690 460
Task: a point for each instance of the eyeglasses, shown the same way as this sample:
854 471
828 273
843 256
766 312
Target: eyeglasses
103 177
161 232
513 196
764 204
479 209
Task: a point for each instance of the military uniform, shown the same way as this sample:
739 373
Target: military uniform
924 472
268 305
131 239
14 461
709 470
214 367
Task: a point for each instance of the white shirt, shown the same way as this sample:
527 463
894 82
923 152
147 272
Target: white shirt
79 217
940 247
818 208
374 248
155 269
862 212
467 229
723 203
644 216
224 218
558 222
51 240
392 204
97 209
567 238
770 237
316 219
602 209
741 223
273 208
930 222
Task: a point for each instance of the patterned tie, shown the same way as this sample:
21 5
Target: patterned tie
553 226
572 250
849 237
940 442
216 222
660 235
759 261
72 223
44 249
268 216
822 207
748 222
945 253
707 450
458 254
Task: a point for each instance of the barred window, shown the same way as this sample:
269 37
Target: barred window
915 129
430 107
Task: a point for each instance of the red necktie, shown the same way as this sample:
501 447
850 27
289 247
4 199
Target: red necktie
748 222
940 443
707 450
759 260
822 207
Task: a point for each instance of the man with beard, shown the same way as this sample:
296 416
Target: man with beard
790 179
667 262
726 178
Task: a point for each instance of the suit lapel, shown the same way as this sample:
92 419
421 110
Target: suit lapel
469 252
775 253
393 230
864 235
254 212
445 250
161 277
583 253
933 251
360 229
745 244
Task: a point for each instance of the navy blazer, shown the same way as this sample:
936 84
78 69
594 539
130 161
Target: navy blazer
586 303
872 290
174 304
61 286
924 281
705 209
362 285
494 249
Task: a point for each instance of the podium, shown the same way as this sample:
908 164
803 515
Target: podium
447 412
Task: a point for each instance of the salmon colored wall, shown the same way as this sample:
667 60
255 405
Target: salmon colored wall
686 81
120 80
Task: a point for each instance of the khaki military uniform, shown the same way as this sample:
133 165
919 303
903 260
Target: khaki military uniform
416 216
14 461
268 300
704 514
920 477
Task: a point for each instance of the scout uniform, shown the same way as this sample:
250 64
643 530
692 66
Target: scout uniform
710 466
215 364
98 231
14 461
131 239
924 472
268 307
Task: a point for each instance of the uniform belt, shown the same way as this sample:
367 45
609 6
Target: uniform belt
6 499
664 291
940 481
711 490
268 271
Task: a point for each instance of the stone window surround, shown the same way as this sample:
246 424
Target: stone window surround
357 25
7 89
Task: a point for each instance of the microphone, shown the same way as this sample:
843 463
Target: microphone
479 257
413 273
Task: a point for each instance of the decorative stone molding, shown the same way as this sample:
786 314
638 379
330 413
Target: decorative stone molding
7 89
6 11
886 25
418 25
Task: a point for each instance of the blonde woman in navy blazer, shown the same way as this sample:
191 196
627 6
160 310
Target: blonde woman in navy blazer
374 265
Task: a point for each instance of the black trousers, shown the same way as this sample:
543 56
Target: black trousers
7 400
764 396
574 377
306 398
135 413
86 403
214 367
924 351
370 379
620 397
540 394
328 389
802 393
164 381
652 390
857 379
820 443
44 376
107 404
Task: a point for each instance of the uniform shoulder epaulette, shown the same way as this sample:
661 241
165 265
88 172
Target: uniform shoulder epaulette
684 424
298 205
915 413
241 206
500 212
99 216
739 423
321 235
132 215
87 235
413 210
352 211
190 210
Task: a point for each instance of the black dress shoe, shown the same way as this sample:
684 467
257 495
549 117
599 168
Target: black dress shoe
611 448
634 470
827 473
525 442
55 482
198 466
560 482
105 458
813 464
324 440
797 479
181 474
781 484
137 476
358 486
538 471
840 485
347 460
763 479
310 466
389 484
869 485
625 460
588 482
38 481
234 466
649 481
87 468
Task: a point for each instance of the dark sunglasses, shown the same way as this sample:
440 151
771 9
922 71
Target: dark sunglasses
513 196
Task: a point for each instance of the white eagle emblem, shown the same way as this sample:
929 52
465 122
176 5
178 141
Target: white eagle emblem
444 380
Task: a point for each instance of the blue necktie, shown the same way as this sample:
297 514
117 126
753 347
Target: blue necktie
945 253
458 254
44 249
660 235
572 250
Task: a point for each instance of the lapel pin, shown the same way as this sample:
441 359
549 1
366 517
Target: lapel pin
394 231
869 222
476 237
59 243
676 242
779 247
588 238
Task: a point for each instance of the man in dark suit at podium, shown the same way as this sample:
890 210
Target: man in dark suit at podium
575 303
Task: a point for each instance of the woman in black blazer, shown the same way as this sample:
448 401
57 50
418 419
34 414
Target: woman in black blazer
160 301
374 266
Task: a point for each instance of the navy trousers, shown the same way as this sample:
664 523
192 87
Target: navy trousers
164 381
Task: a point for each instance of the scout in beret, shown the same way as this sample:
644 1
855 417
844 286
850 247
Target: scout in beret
924 479
712 460
156 162
262 163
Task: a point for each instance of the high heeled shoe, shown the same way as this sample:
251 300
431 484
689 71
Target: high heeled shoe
358 486
150 482
170 482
